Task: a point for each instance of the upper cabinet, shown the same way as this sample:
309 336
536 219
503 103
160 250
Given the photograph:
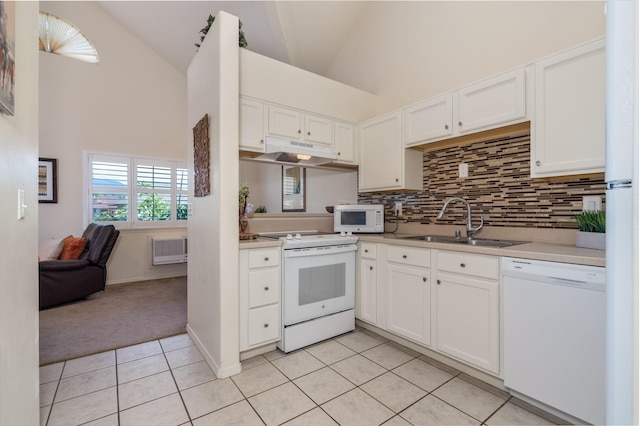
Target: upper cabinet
485 105
568 132
297 126
252 125
384 163
344 143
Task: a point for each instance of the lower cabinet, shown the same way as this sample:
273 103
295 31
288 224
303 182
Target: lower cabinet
409 293
446 300
259 297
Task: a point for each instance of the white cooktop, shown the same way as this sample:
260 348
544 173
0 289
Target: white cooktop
300 239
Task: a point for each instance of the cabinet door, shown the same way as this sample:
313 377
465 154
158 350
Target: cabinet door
264 324
285 123
381 153
251 125
409 302
344 143
492 103
468 321
429 120
318 129
568 134
367 297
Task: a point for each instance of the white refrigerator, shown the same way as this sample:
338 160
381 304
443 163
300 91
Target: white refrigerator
622 212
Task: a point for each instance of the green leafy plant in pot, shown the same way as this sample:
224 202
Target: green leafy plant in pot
591 229
242 41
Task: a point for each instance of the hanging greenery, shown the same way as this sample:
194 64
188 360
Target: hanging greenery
242 40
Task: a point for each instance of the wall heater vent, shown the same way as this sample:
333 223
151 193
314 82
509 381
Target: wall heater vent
169 250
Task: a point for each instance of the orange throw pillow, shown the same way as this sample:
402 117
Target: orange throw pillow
72 248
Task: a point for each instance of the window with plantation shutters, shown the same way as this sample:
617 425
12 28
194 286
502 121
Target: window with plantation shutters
132 192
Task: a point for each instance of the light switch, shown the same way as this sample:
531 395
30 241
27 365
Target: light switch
21 205
463 170
591 203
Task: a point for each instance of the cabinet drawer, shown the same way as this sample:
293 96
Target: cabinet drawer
476 265
259 258
409 256
264 287
368 250
264 324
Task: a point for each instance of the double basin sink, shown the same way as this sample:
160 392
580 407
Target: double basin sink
480 242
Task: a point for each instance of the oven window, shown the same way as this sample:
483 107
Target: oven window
320 283
353 218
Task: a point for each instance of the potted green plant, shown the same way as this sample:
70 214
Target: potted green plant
591 229
242 41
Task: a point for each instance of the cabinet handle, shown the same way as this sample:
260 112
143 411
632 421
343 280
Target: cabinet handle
266 325
262 141
266 259
404 256
266 289
459 123
371 268
538 163
299 131
366 251
462 265
424 279
338 153
446 127
308 133
438 282
397 180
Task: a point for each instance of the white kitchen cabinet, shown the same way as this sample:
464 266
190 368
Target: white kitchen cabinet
298 126
492 103
467 308
384 163
252 119
344 143
429 120
408 293
568 133
259 281
488 104
366 283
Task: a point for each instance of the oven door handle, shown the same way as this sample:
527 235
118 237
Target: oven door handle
319 251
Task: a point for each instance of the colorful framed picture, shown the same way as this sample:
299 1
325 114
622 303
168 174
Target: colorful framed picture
48 180
7 56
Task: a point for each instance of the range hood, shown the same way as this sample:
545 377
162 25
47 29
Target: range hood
299 153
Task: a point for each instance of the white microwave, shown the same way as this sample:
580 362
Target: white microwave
358 218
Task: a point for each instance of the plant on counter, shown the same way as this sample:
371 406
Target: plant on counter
242 41
261 209
243 194
591 221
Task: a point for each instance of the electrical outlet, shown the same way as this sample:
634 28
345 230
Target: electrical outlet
463 170
398 209
591 203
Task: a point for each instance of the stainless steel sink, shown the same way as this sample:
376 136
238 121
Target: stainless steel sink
480 242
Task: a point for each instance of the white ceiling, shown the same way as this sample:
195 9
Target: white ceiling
305 34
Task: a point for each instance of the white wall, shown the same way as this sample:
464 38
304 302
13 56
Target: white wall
212 283
19 375
325 187
132 102
405 51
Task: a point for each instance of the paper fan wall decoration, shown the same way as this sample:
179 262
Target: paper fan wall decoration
62 38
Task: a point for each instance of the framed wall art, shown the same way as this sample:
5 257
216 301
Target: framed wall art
48 180
201 185
7 56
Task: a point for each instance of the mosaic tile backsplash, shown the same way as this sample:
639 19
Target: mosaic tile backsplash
498 187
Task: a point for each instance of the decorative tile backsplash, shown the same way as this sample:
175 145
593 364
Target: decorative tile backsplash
498 187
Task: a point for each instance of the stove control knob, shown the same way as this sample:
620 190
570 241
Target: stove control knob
342 233
289 237
298 236
349 233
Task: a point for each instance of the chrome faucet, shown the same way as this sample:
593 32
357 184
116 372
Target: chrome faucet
470 229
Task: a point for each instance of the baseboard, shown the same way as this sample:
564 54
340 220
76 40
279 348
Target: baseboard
144 278
219 372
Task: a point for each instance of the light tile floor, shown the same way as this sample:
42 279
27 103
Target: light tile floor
358 378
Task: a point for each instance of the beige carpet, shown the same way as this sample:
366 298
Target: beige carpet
122 315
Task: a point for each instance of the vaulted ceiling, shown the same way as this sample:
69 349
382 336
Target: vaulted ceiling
306 34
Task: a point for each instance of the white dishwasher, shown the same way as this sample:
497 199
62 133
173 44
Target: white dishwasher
554 335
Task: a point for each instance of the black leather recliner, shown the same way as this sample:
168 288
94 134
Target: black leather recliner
64 281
